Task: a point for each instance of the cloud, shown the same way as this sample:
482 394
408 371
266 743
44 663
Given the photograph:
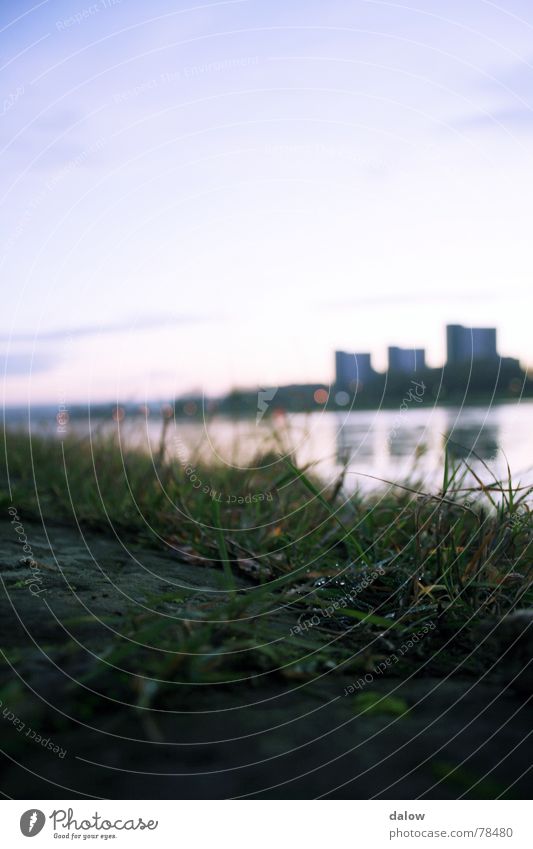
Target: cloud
26 363
510 119
513 86
514 81
125 326
419 298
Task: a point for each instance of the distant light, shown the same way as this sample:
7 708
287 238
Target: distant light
321 396
118 414
342 398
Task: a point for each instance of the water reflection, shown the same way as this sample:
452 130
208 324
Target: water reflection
373 443
354 441
381 445
466 439
406 441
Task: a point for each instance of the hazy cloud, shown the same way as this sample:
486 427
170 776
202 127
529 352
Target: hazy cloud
412 298
513 86
26 362
517 118
125 326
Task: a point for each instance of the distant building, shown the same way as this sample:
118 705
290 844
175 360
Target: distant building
352 370
406 360
465 344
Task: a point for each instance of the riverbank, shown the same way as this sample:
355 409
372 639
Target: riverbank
294 646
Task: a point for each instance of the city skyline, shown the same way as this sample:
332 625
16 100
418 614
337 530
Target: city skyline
464 345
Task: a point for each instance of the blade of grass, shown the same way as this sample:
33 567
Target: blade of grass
310 486
222 548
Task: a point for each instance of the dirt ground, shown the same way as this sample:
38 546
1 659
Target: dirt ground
263 737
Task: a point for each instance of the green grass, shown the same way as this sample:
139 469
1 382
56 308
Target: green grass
371 569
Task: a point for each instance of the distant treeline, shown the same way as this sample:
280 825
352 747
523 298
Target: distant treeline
479 382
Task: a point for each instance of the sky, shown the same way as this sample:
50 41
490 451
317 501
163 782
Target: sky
199 196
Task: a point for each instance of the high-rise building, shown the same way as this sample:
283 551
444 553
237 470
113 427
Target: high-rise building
466 344
406 360
352 370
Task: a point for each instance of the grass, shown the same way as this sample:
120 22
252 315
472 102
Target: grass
363 571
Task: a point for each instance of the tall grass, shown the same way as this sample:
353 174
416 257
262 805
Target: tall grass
457 556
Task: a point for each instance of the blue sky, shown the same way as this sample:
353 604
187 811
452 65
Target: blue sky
204 195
